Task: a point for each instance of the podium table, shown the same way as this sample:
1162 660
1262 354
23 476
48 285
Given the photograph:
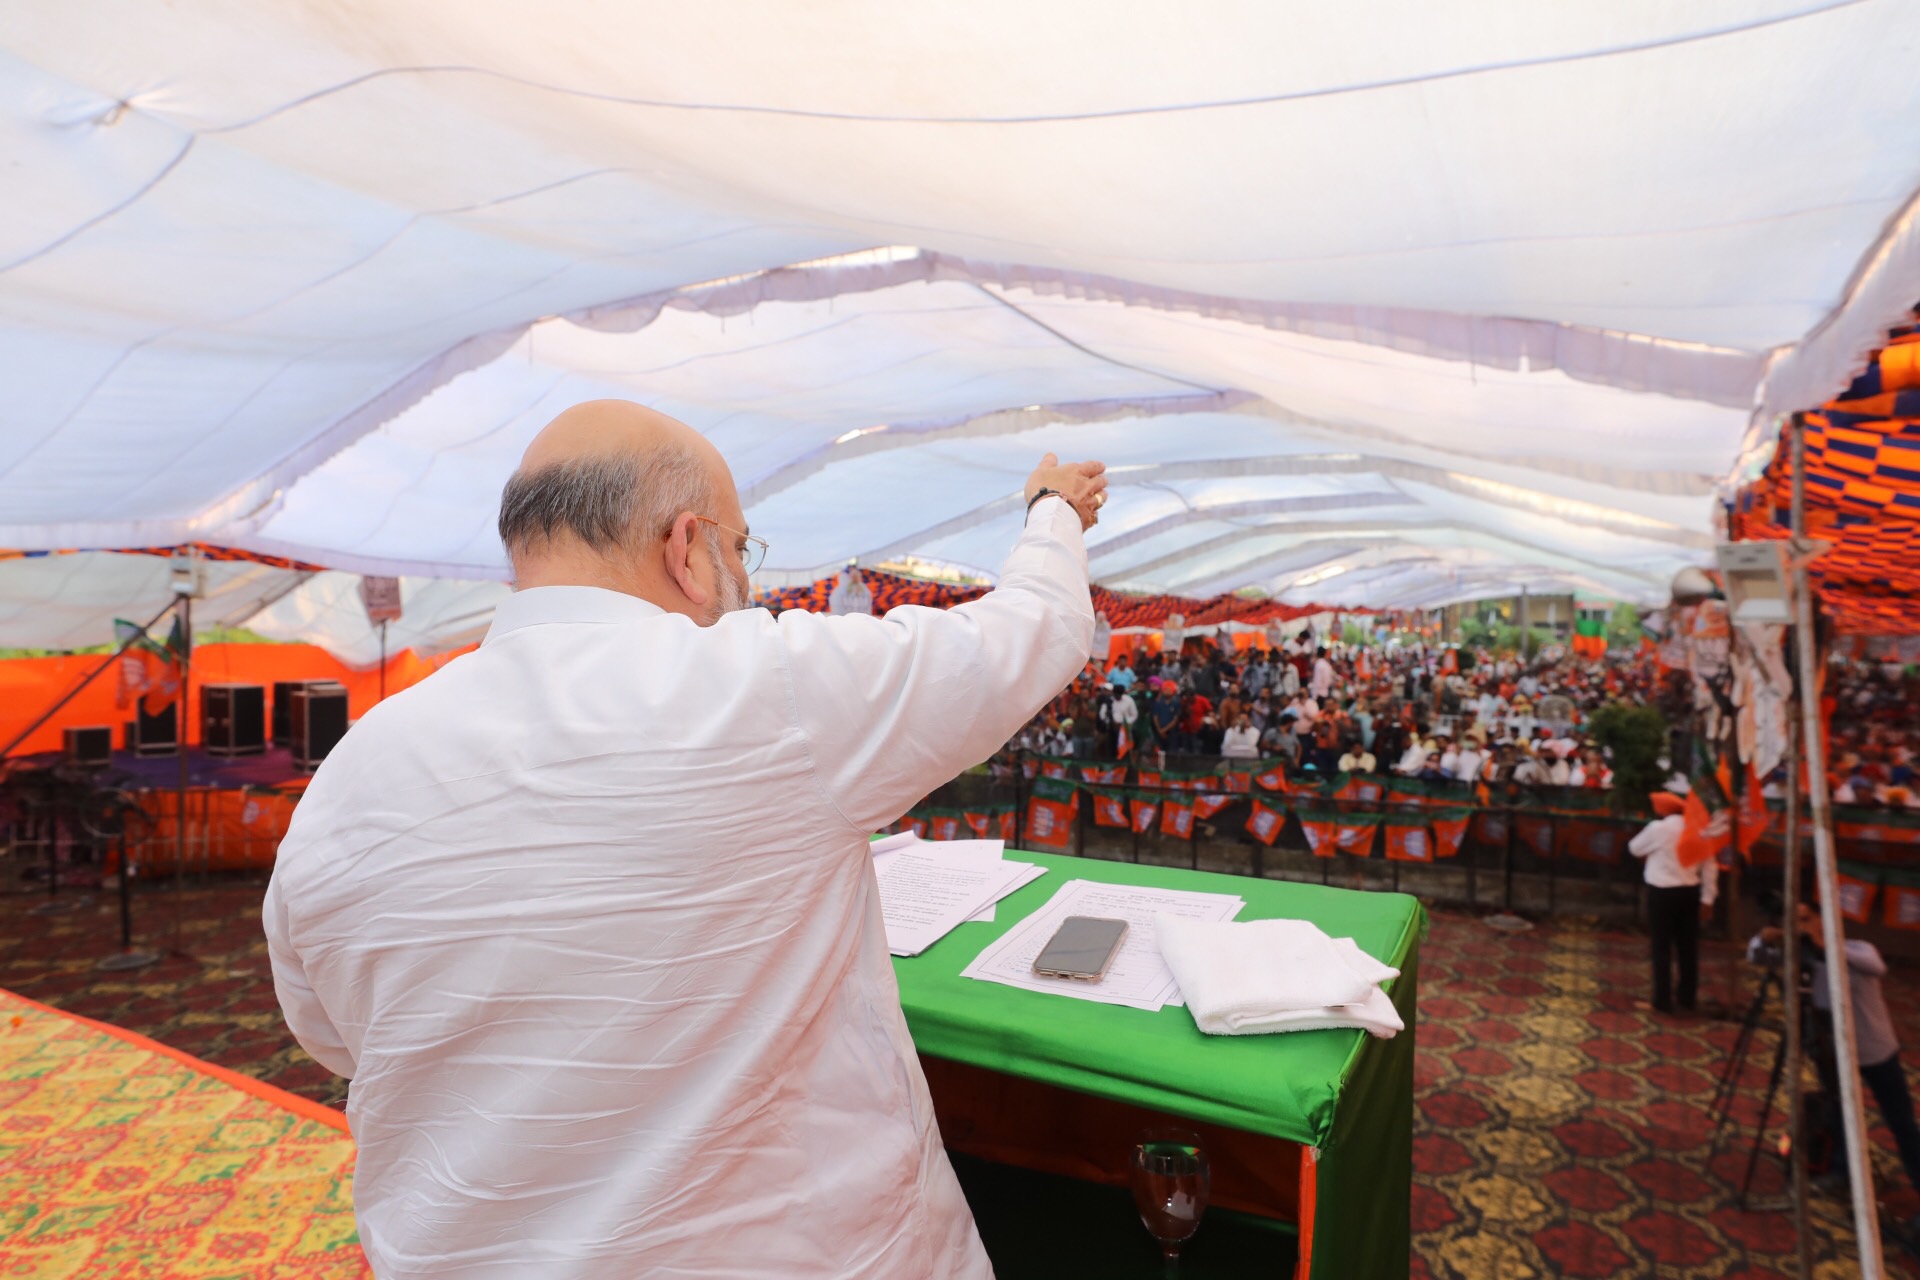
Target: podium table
1309 1134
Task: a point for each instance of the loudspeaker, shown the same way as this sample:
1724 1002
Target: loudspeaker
281 724
317 719
233 719
157 735
90 746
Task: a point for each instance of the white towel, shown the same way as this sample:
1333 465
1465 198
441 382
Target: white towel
1239 978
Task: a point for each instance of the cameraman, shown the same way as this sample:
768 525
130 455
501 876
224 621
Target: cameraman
1873 1038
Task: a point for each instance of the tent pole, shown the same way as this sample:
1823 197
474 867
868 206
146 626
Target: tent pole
185 658
74 692
1796 1114
1866 1218
1796 1117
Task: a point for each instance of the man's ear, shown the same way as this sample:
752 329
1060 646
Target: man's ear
679 558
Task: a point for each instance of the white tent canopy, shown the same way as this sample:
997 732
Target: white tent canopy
1381 305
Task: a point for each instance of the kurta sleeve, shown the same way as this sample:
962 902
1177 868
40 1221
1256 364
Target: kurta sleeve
892 707
301 1006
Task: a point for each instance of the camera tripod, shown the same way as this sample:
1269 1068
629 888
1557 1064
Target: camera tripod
1728 1087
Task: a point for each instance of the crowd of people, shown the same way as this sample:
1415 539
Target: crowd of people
1417 710
1870 714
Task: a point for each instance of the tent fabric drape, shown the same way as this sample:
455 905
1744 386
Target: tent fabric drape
1862 493
1378 308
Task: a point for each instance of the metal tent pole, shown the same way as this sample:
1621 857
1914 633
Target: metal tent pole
1796 1114
180 723
1866 1218
184 604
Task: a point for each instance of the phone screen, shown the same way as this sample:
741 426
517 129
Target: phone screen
1083 947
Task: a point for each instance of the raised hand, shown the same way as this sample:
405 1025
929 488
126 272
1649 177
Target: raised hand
1082 484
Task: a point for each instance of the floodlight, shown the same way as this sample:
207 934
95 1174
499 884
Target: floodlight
1759 581
188 575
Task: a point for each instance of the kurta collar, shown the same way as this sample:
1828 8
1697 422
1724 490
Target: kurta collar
538 605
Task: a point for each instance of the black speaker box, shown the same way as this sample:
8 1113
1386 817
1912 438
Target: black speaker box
157 735
317 720
282 722
233 719
90 746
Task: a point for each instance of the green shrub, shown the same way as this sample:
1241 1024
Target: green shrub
1635 738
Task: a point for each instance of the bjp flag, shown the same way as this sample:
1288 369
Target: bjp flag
1355 839
1108 811
1265 824
1050 814
1144 812
1321 835
1176 819
1449 834
1409 843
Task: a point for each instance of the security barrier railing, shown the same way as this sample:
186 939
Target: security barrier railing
1448 841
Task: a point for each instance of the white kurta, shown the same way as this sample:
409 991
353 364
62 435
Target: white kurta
589 919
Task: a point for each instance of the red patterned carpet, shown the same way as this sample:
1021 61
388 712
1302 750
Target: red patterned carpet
1560 1131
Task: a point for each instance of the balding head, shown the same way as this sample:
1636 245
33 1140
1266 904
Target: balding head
612 429
612 494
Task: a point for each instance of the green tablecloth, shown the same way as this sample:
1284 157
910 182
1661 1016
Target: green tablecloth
1343 1092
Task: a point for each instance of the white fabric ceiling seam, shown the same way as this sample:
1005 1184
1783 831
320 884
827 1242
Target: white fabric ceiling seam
883 436
797 283
786 284
1622 49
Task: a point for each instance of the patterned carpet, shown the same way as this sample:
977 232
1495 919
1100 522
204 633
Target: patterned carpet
1559 1131
118 1160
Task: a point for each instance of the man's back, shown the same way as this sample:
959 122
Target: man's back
590 920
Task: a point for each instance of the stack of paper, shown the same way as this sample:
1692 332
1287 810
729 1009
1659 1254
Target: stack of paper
1139 977
1276 975
927 888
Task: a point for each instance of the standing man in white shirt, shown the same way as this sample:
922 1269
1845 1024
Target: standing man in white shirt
1322 675
1469 761
589 917
1120 715
1449 757
1677 897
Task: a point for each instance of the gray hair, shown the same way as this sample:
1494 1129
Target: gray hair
608 502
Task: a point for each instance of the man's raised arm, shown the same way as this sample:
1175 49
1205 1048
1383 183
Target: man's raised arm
892 707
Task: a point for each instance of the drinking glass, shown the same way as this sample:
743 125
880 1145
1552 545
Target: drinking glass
1170 1184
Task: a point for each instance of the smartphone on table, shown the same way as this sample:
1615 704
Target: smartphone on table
1083 947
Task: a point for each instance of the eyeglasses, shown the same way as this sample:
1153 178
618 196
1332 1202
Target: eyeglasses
753 551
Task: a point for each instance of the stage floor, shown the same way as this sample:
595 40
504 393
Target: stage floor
274 768
1559 1130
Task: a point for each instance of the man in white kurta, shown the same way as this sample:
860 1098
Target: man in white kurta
589 919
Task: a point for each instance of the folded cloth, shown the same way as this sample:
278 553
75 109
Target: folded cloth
1376 1016
1242 977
